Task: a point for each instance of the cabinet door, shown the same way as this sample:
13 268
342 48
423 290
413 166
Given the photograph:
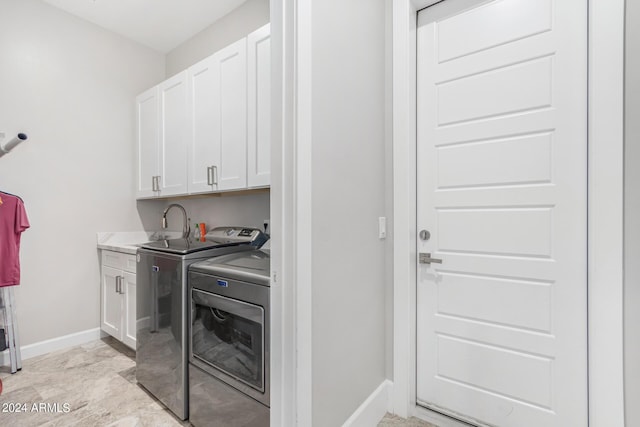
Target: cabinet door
147 153
111 303
129 310
204 150
174 135
259 107
231 120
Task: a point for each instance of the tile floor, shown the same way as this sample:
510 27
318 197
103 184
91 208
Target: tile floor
92 385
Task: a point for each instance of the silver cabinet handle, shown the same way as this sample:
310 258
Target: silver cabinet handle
117 284
425 258
153 183
214 173
158 183
209 175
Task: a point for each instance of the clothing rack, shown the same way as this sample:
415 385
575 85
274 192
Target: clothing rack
6 147
10 336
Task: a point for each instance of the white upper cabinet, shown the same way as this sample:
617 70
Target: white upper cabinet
148 153
259 107
218 101
230 119
204 149
208 128
174 136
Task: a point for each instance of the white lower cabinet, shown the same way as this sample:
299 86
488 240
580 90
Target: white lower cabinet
118 296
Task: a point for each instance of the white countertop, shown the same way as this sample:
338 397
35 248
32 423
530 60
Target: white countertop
128 241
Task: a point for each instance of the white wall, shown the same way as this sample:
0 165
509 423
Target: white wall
632 213
70 86
348 194
248 17
247 210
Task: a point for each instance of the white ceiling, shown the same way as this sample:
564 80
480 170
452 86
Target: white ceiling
160 24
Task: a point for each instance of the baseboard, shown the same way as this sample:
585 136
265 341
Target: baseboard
373 409
47 346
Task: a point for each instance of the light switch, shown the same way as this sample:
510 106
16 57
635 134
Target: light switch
382 227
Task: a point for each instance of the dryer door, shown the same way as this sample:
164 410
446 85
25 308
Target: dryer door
227 340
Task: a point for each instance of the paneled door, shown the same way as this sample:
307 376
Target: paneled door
230 119
147 137
175 135
501 199
111 301
204 150
259 107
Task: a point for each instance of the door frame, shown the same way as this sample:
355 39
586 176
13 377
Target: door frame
604 211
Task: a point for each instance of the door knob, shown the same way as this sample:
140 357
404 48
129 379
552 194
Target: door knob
424 235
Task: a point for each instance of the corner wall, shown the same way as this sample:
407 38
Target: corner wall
70 86
248 17
632 215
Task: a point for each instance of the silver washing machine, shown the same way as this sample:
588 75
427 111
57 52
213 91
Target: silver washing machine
229 341
162 301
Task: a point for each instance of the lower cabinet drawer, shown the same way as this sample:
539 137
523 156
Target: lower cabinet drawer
126 262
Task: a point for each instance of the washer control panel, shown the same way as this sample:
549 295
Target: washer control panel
250 235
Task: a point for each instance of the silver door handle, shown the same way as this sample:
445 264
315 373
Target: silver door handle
209 175
425 258
117 284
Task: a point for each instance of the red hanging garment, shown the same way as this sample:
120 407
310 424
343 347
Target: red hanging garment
13 221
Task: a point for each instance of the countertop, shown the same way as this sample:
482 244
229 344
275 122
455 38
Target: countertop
128 241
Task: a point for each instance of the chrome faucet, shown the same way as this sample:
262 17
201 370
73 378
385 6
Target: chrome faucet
185 225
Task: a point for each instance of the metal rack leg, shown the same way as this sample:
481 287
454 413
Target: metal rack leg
16 336
5 320
10 325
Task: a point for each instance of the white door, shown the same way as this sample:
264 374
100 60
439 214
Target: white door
231 118
147 120
111 310
259 107
204 150
502 156
175 135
